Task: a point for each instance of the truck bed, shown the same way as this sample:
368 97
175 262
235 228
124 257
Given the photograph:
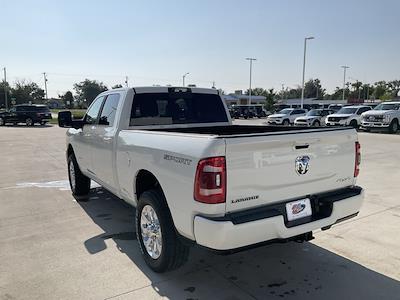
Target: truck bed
231 130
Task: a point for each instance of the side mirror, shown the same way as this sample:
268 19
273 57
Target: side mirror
65 120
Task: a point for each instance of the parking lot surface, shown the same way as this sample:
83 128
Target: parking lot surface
52 247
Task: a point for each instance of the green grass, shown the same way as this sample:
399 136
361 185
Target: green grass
76 113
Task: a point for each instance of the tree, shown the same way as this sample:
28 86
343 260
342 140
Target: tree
313 89
294 93
117 86
68 99
270 100
27 92
88 90
380 89
257 92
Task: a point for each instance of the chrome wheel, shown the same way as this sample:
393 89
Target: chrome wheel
72 178
29 122
151 232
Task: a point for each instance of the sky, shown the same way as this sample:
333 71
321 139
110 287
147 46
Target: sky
156 42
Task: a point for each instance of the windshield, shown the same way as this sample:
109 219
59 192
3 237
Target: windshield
314 112
42 108
387 106
347 110
285 111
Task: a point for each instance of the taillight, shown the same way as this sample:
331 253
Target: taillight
357 160
210 180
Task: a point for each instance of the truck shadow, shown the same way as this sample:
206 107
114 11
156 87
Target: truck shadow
292 270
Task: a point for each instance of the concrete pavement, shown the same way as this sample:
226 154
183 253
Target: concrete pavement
52 247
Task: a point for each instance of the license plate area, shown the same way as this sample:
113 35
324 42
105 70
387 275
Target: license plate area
298 209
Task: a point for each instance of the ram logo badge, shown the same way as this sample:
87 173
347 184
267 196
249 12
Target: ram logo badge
302 164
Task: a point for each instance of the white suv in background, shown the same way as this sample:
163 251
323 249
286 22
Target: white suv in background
385 116
286 116
347 116
315 117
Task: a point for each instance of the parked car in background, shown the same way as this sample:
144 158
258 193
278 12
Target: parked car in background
243 111
335 107
347 116
26 113
260 111
385 116
285 116
315 117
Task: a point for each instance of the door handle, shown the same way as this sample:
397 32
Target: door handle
304 146
107 139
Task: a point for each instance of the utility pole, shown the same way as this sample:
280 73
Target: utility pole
183 78
283 91
304 68
45 84
251 66
344 79
126 81
5 88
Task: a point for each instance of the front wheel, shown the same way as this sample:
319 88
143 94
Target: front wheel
354 124
79 183
394 126
2 122
316 124
286 123
159 243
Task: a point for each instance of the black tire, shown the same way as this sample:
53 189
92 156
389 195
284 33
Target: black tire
173 253
316 123
394 126
354 124
29 122
43 123
81 187
286 122
2 122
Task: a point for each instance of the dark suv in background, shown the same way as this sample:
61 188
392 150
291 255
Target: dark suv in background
26 113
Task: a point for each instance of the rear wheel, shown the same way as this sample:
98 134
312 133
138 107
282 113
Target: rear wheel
2 122
79 183
43 123
394 126
161 248
29 122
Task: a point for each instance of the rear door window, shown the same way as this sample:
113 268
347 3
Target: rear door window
176 108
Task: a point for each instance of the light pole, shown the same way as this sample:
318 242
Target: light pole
344 79
45 84
183 78
5 88
251 67
304 68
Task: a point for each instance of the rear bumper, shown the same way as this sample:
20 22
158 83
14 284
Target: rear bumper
241 230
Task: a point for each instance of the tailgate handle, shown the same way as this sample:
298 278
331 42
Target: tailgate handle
304 146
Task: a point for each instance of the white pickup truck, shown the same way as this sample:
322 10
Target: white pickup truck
195 178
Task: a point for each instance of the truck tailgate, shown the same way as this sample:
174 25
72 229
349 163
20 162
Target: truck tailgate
262 169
